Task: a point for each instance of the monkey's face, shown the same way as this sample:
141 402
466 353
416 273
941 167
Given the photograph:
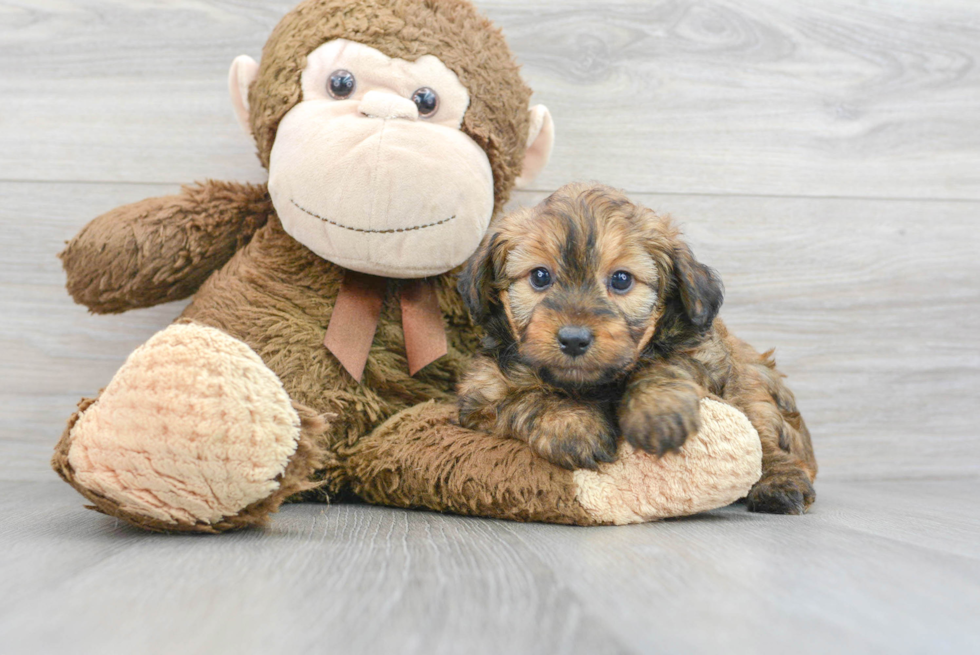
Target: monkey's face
392 131
371 170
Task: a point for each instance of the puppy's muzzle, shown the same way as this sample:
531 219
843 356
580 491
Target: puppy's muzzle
574 340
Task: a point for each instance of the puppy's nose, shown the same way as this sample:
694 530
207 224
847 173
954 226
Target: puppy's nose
574 340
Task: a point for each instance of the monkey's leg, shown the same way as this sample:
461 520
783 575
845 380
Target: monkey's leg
421 458
194 433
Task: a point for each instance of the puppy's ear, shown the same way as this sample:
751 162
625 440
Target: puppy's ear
476 280
700 288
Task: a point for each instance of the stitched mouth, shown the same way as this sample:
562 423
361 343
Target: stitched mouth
365 231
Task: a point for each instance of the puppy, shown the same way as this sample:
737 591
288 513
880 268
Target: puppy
600 324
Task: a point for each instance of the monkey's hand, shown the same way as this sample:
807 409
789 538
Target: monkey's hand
162 249
659 411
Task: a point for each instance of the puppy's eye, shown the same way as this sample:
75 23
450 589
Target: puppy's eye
540 279
426 100
621 281
341 84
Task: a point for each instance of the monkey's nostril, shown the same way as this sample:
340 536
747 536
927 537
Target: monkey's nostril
574 340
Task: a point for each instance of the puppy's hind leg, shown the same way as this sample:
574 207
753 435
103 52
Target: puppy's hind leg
788 464
786 486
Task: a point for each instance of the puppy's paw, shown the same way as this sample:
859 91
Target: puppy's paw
782 493
573 439
660 427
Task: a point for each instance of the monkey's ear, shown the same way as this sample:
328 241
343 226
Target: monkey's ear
700 288
540 141
243 72
477 277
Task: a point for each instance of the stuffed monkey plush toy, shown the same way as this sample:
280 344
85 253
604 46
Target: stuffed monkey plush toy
326 334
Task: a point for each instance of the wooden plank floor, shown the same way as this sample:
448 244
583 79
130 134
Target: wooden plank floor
824 157
876 567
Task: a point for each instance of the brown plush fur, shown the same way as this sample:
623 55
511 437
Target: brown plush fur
420 458
256 283
656 348
277 296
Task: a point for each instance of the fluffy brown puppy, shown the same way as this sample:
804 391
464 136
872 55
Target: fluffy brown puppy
601 323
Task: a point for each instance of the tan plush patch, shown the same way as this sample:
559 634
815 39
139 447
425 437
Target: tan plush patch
193 428
716 467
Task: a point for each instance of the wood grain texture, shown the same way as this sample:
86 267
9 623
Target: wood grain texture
871 305
876 567
764 97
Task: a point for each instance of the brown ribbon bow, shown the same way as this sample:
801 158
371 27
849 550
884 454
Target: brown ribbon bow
355 320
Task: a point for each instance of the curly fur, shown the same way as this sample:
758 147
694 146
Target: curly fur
656 351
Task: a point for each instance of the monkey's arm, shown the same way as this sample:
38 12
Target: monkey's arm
421 458
162 249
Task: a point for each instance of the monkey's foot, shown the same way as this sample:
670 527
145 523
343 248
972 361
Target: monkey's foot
422 458
715 467
194 433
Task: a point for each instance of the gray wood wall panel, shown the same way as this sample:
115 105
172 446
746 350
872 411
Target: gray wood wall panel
825 157
770 97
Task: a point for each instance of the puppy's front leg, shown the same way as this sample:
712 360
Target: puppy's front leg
569 433
660 408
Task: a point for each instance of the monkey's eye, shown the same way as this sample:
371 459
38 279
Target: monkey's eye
621 281
426 100
540 279
341 84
